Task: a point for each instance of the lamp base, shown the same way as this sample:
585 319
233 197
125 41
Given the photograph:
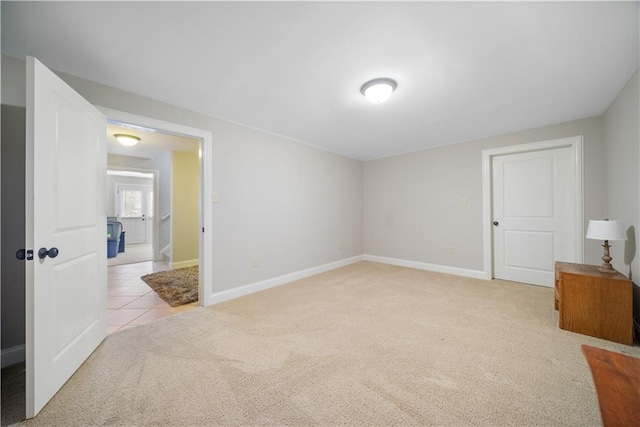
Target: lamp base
606 266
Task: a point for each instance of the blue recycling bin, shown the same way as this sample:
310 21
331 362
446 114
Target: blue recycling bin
114 233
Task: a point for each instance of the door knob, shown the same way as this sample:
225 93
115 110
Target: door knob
496 223
52 253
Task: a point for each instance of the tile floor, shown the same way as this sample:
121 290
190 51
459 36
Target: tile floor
132 302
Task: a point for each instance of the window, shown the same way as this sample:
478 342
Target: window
134 201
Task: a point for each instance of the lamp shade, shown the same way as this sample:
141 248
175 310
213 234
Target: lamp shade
606 230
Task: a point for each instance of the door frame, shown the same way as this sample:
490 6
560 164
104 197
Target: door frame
206 209
576 145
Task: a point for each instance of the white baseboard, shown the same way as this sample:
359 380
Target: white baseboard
222 296
476 274
11 356
187 263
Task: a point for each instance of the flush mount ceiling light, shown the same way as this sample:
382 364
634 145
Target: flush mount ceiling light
127 140
378 90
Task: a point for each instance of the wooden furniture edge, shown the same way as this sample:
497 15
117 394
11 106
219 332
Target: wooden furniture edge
616 377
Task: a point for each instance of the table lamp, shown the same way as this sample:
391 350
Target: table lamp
606 230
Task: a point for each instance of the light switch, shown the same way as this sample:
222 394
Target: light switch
463 202
214 197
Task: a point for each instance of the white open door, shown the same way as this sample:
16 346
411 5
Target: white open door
534 212
66 293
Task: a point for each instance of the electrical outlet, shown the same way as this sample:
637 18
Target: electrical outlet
452 250
255 262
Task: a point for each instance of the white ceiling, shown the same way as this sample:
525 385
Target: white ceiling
151 142
464 70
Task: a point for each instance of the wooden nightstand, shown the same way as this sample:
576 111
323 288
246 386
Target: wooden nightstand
594 303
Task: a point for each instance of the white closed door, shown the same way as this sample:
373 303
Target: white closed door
135 211
533 214
66 291
135 230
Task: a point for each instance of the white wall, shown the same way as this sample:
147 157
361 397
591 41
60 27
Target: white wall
412 202
162 163
622 160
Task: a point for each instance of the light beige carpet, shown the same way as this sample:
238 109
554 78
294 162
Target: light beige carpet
367 344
